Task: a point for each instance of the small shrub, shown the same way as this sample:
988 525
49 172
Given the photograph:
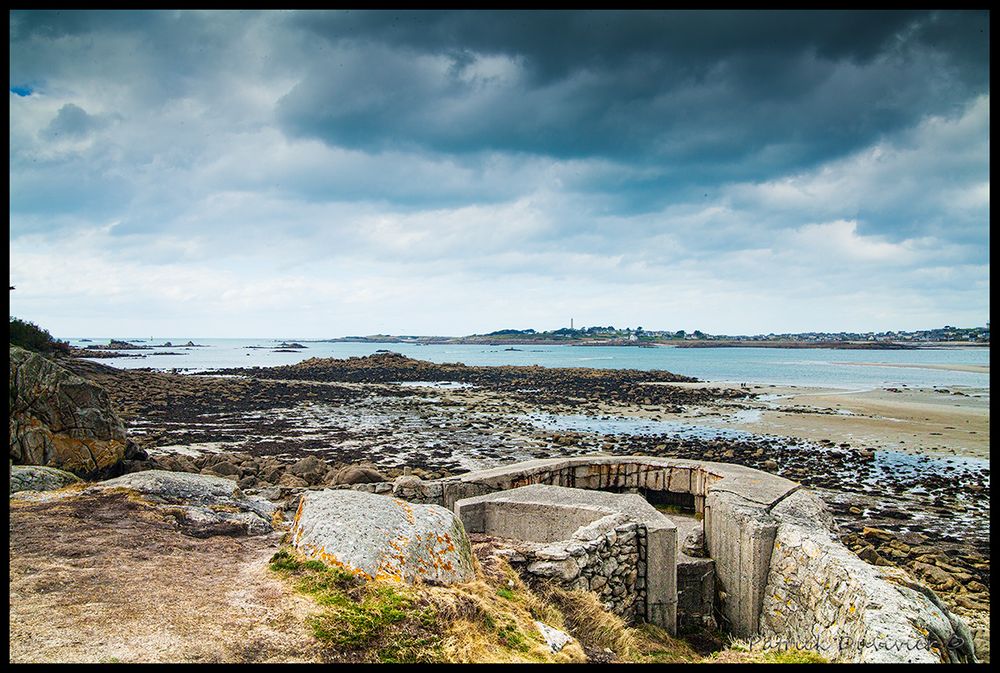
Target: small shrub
283 560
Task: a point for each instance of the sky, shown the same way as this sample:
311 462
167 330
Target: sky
319 174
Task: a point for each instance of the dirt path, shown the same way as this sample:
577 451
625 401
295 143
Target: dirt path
100 578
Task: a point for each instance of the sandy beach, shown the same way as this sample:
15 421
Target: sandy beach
928 421
941 421
976 369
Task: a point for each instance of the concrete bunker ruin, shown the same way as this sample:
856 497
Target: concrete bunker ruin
733 503
781 575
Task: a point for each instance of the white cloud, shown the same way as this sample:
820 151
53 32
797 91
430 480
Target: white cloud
925 175
839 242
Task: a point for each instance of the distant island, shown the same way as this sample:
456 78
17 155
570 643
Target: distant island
639 337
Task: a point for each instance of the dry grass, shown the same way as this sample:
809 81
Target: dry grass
492 620
378 621
488 620
600 630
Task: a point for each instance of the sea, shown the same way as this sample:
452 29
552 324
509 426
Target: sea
820 367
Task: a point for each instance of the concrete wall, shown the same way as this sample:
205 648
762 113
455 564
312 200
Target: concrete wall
526 521
734 499
739 536
695 594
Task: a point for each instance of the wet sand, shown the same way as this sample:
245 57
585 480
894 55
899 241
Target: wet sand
976 369
930 421
933 421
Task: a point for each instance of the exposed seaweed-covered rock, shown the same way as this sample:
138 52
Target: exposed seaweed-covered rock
359 475
61 420
383 537
310 469
39 478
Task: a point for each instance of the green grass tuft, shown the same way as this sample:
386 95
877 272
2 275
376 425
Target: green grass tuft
379 622
503 592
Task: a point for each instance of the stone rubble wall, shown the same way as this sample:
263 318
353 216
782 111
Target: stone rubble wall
606 557
820 596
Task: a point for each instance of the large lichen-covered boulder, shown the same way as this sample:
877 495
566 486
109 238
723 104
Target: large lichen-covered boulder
39 478
59 419
203 505
381 537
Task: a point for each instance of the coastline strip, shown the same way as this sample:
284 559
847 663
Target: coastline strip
975 369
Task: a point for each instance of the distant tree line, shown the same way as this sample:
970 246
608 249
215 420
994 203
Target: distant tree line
502 332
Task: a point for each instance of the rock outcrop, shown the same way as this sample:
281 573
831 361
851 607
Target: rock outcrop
61 420
356 474
203 505
821 596
383 537
39 478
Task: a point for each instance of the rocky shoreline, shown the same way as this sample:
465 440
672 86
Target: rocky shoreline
277 431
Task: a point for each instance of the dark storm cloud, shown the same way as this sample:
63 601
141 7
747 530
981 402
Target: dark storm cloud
739 92
557 43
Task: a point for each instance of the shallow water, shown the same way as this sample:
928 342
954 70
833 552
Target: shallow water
609 425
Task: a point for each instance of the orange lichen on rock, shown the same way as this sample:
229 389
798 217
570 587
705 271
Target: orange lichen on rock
407 509
320 554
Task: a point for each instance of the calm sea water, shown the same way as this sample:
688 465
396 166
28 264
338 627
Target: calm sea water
780 366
